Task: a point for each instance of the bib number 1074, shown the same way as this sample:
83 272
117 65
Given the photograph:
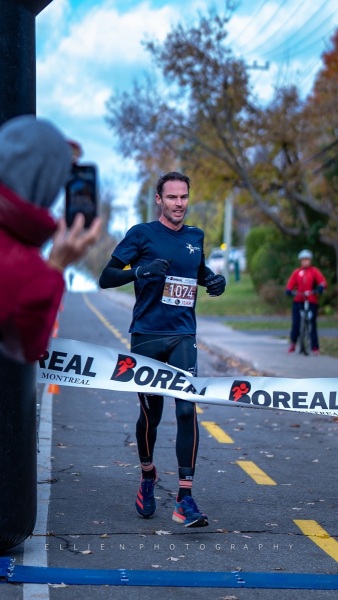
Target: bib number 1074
179 291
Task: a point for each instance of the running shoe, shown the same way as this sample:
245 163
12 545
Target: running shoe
145 499
292 348
188 513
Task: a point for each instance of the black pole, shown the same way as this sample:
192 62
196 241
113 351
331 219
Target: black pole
17 60
18 452
18 441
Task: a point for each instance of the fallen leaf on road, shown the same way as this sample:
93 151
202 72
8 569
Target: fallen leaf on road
86 552
172 558
161 532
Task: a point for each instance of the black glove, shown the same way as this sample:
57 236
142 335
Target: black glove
157 268
320 288
215 284
290 293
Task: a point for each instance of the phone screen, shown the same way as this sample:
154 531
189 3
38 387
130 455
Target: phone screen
81 194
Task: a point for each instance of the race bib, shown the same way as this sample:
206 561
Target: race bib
179 291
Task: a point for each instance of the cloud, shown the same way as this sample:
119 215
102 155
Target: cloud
94 55
82 56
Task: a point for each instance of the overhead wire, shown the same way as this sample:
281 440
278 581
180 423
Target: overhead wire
311 68
267 23
296 33
285 48
295 48
277 53
280 28
249 23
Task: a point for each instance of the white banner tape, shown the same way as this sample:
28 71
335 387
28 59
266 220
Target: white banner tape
79 364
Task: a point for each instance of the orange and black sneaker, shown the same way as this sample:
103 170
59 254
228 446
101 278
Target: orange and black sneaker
188 513
145 499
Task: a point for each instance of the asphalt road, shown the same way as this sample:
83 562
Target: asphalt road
265 478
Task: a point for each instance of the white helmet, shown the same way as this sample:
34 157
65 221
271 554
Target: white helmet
305 254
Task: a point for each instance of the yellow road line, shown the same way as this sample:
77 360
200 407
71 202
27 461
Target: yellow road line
199 410
319 536
255 472
217 432
105 322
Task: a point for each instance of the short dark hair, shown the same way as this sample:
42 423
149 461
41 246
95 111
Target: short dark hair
172 176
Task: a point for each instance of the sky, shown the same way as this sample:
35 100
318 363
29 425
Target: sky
89 49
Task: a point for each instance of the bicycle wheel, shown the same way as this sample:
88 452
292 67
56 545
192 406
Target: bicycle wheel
304 338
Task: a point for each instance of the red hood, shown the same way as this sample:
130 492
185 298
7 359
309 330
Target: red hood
28 223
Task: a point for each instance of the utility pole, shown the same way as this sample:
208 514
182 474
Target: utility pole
256 67
227 231
150 204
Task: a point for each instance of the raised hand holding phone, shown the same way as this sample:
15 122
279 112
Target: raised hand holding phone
81 194
70 245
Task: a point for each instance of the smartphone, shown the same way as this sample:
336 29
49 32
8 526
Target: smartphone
81 194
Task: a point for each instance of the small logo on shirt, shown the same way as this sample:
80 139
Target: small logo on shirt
192 248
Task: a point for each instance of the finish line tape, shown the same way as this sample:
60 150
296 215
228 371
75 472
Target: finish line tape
80 364
11 573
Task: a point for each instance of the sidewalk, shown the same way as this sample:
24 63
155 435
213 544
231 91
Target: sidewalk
266 354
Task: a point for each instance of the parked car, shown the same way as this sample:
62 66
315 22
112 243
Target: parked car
216 260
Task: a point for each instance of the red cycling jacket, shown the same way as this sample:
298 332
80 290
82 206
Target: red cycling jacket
305 280
30 290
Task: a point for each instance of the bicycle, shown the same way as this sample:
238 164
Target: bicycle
305 325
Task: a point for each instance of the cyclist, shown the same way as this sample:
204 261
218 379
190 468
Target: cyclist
305 282
166 257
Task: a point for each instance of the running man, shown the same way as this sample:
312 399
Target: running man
167 263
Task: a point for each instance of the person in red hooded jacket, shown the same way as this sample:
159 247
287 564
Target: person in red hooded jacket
305 282
35 163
